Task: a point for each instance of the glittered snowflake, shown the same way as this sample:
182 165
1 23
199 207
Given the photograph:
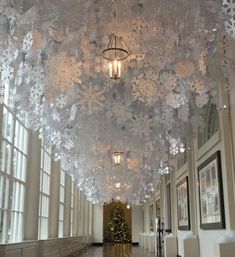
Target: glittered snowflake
145 89
63 71
141 126
91 98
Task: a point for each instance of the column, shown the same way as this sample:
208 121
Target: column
54 200
67 205
32 188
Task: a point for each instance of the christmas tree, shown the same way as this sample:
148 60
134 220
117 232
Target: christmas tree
117 230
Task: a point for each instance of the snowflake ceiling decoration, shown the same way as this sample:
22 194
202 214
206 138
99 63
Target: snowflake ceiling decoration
51 64
91 98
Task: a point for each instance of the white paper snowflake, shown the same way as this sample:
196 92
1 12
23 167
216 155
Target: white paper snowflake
91 98
68 144
145 89
61 101
201 100
7 73
141 126
230 26
36 92
8 55
228 8
27 42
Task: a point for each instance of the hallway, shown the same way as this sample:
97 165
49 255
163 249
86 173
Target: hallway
116 250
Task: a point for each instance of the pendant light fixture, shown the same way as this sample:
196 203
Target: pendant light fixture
115 54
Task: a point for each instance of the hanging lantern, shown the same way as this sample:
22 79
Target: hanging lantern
115 54
117 157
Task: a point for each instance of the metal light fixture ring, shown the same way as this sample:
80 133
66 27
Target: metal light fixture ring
124 52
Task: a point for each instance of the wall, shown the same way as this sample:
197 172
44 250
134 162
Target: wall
206 242
97 224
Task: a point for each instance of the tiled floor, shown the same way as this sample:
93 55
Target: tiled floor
117 250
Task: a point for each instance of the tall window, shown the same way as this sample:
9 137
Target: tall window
45 173
72 207
61 203
14 141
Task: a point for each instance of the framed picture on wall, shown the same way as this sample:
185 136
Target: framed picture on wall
151 218
211 200
183 205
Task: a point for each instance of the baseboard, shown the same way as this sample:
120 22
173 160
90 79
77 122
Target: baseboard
102 244
97 244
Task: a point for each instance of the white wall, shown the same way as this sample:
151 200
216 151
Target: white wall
97 224
137 222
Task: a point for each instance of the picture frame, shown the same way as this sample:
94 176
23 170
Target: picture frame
183 210
151 218
211 200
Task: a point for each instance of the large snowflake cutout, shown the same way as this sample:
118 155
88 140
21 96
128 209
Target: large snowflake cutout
228 8
63 71
145 89
141 126
91 98
230 26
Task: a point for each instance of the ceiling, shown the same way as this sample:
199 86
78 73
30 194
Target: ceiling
51 60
